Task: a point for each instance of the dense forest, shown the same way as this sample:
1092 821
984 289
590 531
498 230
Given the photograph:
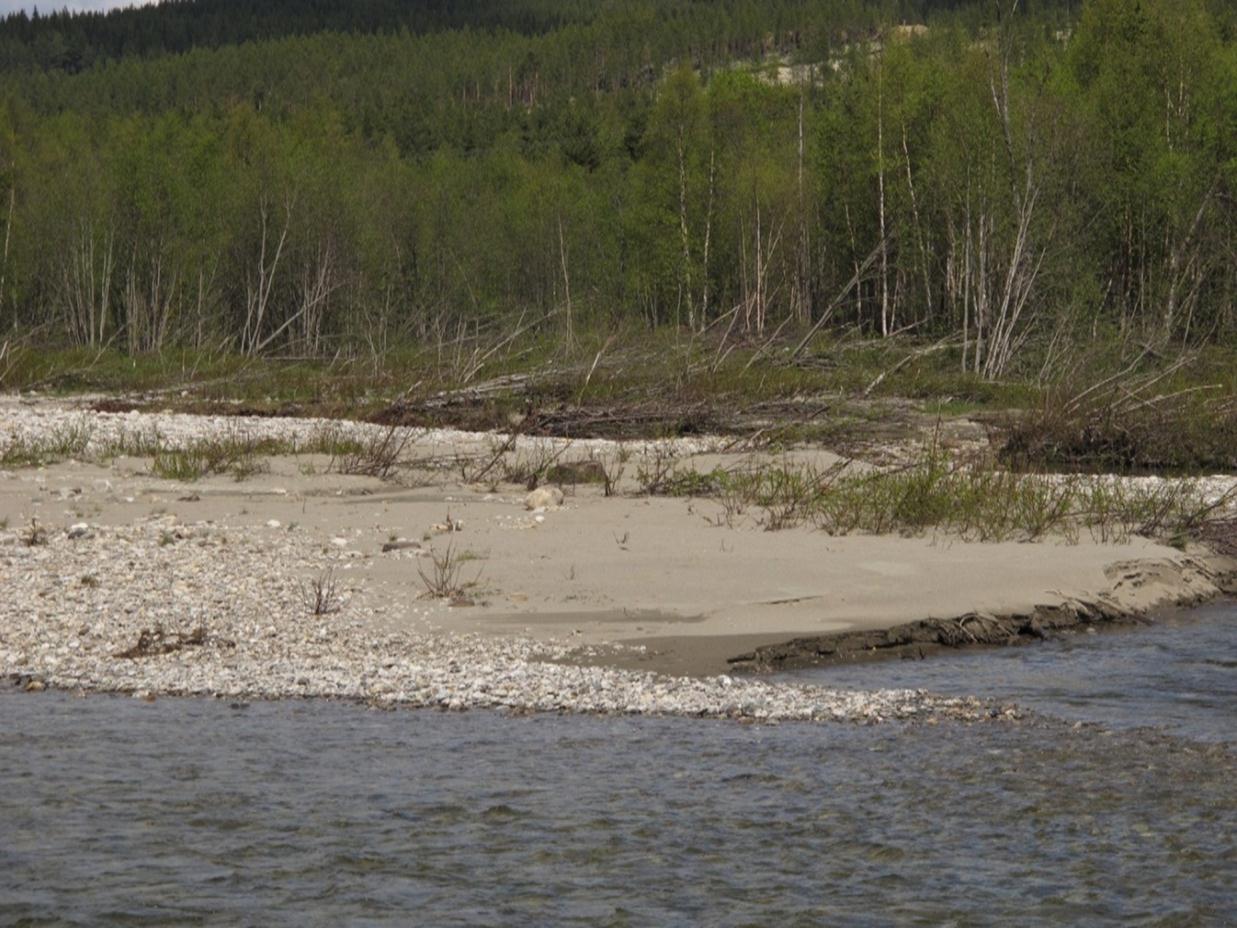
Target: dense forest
307 177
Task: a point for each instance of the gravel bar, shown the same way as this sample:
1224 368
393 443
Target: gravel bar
71 605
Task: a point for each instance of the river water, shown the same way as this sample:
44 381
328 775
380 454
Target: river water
1178 674
119 812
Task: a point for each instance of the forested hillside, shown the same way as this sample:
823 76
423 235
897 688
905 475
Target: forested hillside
73 41
308 177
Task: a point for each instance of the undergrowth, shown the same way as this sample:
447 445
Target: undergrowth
1145 417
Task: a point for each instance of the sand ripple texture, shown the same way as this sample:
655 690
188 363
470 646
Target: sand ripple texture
70 606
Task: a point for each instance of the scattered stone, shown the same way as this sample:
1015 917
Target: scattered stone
79 530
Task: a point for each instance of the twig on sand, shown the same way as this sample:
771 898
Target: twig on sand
153 642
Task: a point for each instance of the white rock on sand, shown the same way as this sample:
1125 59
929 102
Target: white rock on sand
544 498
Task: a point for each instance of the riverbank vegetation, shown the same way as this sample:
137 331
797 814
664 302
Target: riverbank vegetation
485 212
936 493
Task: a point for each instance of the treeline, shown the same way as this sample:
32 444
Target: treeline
75 41
1002 181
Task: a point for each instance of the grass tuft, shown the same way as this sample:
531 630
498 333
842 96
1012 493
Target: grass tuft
67 440
233 453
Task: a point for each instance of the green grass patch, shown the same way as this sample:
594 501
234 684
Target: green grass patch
980 502
237 455
66 441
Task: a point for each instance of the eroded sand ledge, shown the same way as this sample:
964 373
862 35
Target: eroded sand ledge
1179 582
604 605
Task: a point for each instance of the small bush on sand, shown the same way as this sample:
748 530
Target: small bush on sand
376 456
443 579
35 535
320 595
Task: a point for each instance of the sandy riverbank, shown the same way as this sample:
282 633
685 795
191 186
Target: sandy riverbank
622 594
